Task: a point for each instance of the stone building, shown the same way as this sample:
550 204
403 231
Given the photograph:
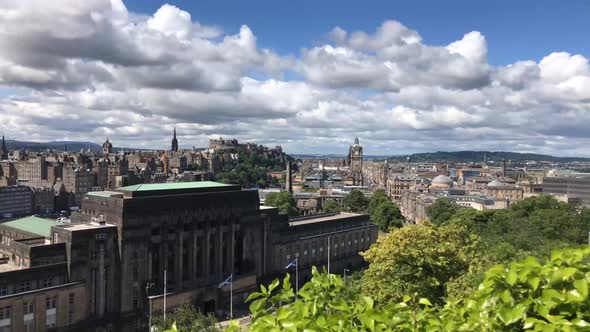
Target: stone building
502 190
355 161
174 145
195 233
578 186
16 200
3 149
78 180
43 200
33 171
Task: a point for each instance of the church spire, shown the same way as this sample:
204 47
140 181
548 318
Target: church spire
3 149
174 142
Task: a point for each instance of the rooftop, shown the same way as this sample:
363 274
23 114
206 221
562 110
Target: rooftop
174 186
320 218
32 224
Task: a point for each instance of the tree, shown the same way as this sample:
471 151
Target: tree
284 201
379 196
186 319
387 215
355 201
331 206
527 295
441 211
417 259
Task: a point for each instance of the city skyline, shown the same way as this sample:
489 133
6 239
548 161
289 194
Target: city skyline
133 71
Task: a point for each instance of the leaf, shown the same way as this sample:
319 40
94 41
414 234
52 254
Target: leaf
425 302
534 282
582 286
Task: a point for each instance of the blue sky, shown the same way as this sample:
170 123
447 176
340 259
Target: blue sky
514 29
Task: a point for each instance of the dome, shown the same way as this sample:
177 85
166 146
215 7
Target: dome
496 183
442 179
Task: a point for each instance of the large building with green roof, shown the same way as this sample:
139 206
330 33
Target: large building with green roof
122 242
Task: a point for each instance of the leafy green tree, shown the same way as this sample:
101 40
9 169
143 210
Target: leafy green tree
355 201
186 318
522 296
441 211
284 201
417 259
331 206
379 197
387 215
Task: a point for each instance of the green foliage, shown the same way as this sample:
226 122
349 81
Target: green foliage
522 296
186 318
534 226
246 175
283 200
418 259
441 211
250 170
331 206
197 167
379 197
355 201
387 215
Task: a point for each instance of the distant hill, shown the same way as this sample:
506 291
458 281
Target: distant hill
455 156
478 156
55 145
72 146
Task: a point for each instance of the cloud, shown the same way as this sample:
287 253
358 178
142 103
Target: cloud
83 70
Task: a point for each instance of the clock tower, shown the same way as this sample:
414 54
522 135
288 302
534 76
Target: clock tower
355 161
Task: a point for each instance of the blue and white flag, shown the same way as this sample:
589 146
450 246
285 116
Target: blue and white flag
226 281
292 264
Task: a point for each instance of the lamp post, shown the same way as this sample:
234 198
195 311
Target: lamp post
345 270
147 293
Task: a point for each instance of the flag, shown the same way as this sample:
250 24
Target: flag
292 264
226 281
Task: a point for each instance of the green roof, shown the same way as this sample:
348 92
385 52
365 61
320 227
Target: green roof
104 193
32 224
173 186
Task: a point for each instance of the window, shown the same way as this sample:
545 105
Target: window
135 299
71 296
28 316
5 321
5 312
51 302
51 311
28 308
3 290
25 286
48 282
135 271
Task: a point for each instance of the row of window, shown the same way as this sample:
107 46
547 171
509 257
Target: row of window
26 285
29 314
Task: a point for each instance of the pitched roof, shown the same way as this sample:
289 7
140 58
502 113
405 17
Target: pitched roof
32 224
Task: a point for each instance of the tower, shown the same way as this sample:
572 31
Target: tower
385 174
288 177
107 148
3 149
355 161
174 142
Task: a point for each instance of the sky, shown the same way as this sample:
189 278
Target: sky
403 76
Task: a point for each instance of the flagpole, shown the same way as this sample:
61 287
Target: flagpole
328 257
297 276
164 296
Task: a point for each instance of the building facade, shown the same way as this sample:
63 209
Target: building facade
191 234
355 161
